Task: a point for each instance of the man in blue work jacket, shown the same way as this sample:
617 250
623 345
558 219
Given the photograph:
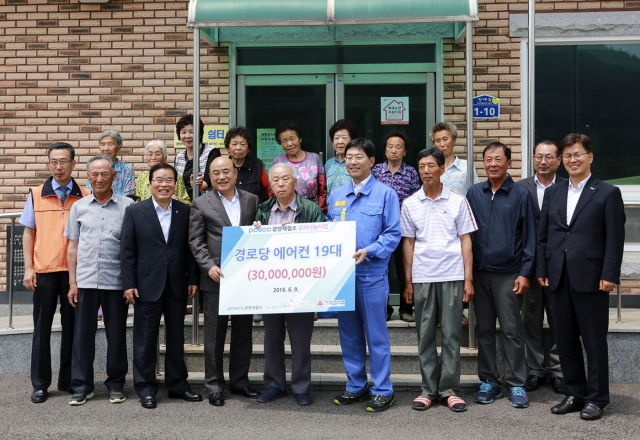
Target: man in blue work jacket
376 210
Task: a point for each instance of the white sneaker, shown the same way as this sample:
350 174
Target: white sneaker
80 398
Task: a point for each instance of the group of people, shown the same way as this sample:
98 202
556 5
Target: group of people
517 249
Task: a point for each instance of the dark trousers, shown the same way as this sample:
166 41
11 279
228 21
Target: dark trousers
51 287
146 322
586 315
494 298
215 333
300 328
398 263
537 302
114 313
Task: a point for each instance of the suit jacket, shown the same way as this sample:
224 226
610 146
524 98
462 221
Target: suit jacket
146 258
530 185
592 243
208 217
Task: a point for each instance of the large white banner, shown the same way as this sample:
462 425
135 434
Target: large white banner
302 267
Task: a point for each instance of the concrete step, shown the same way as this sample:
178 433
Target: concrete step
338 381
325 332
327 359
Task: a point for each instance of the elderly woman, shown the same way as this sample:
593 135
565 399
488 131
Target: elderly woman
404 180
154 153
312 182
444 135
252 174
340 133
184 159
110 143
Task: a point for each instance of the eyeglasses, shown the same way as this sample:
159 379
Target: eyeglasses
568 157
62 162
548 157
224 172
160 180
355 157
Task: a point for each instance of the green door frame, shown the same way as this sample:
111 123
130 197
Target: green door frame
238 74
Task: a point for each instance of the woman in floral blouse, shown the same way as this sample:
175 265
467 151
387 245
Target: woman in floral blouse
404 179
312 182
340 134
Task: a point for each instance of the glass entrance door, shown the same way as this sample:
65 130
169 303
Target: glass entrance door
364 98
317 101
265 100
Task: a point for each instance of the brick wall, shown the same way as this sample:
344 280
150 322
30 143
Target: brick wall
68 71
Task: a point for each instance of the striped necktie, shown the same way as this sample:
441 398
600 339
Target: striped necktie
63 197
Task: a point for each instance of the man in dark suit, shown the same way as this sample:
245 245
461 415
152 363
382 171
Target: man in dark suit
580 247
546 160
224 206
159 274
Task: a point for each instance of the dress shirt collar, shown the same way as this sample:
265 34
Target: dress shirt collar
537 182
233 199
113 198
456 163
360 186
580 185
156 205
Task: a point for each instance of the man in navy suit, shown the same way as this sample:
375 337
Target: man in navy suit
159 274
579 255
546 160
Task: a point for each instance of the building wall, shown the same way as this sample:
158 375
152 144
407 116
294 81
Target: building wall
68 71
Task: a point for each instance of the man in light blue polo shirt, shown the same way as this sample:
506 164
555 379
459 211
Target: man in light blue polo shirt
376 210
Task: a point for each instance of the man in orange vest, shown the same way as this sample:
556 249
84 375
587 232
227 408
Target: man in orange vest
45 266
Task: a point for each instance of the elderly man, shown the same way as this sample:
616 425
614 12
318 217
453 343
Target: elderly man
546 160
159 274
444 135
46 272
93 255
437 282
286 206
375 208
579 255
124 183
225 206
503 260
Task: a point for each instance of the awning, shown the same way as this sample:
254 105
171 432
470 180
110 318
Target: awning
249 13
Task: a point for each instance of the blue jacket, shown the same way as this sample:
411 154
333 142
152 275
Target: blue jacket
376 211
506 237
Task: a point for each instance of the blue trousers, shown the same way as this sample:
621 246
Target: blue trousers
368 320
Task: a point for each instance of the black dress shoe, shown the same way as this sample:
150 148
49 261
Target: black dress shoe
148 402
533 382
247 392
591 412
188 396
39 396
558 384
216 399
569 404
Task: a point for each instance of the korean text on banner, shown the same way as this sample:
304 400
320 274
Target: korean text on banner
302 267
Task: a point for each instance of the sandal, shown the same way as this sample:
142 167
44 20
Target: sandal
456 404
421 403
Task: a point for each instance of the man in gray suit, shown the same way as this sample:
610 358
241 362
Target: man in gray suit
546 160
224 206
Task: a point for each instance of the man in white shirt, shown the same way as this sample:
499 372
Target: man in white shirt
436 217
546 160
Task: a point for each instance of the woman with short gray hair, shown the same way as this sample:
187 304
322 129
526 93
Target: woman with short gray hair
156 152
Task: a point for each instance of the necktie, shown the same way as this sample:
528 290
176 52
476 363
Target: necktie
63 197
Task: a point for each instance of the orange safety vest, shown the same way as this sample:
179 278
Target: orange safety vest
50 244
